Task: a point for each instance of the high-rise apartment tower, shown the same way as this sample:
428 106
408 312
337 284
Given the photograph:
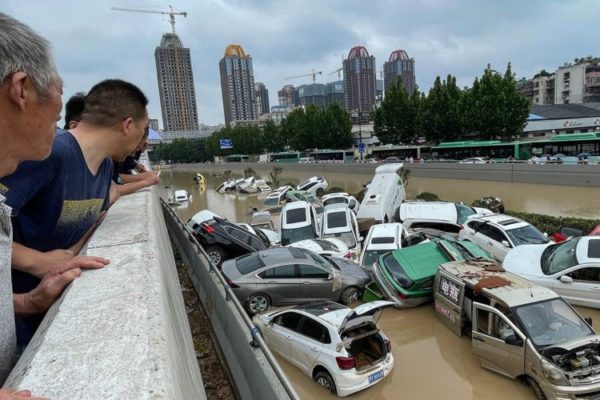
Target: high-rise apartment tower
237 85
400 65
359 80
262 98
175 84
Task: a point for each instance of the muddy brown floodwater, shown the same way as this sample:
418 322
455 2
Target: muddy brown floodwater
431 362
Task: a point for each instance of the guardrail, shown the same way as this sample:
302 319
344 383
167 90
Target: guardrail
255 371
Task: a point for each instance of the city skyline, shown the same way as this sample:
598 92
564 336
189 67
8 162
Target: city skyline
459 39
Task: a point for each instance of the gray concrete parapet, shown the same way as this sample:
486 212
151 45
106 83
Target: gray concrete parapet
120 332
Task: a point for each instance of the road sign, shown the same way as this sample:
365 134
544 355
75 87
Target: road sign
226 143
362 147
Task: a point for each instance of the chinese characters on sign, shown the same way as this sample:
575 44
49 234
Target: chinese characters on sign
450 290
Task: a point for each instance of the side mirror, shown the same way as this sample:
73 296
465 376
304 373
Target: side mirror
271 322
566 279
545 234
505 243
329 277
514 340
588 320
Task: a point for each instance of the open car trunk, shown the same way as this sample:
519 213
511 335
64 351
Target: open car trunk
366 346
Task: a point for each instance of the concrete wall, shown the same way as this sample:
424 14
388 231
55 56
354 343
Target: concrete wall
120 332
548 174
255 373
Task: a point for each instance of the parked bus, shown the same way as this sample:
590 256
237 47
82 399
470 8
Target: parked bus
237 158
287 157
402 152
341 156
567 145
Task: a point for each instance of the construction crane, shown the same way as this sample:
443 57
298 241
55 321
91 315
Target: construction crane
313 74
171 14
339 73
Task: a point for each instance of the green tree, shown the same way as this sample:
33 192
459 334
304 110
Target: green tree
392 119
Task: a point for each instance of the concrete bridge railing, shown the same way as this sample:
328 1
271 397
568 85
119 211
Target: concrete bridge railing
120 332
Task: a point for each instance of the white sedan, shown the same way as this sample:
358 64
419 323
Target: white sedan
339 347
570 268
330 247
474 160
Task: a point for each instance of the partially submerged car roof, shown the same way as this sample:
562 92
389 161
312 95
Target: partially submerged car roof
515 291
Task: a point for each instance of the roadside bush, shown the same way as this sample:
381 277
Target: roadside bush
427 196
550 224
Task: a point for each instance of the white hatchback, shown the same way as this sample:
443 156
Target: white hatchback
326 247
499 233
339 222
315 185
383 238
341 197
339 347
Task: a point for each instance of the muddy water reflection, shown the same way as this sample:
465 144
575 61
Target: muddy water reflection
430 361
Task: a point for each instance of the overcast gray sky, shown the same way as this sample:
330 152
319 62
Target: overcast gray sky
291 37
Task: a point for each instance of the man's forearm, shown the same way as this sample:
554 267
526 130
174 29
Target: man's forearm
129 178
24 304
35 262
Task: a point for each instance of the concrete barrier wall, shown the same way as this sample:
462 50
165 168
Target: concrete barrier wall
254 372
549 174
120 332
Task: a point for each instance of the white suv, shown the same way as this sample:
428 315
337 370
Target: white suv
315 185
339 222
383 238
339 347
499 233
298 222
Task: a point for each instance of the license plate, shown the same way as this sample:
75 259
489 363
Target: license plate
376 376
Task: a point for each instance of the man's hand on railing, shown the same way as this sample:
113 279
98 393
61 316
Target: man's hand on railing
10 394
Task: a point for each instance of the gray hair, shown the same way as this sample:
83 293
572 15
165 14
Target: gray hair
21 49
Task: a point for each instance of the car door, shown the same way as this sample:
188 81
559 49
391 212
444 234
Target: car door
579 285
308 343
282 283
491 334
316 284
279 335
491 240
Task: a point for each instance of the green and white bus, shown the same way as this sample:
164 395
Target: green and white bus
286 157
328 155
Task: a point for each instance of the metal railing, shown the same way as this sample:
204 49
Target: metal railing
181 234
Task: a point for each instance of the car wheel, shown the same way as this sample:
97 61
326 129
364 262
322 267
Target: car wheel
216 255
349 295
320 192
324 379
537 391
258 303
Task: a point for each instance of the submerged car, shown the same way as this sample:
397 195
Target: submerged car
222 239
298 221
315 185
276 199
570 268
339 347
288 275
339 222
383 238
326 247
499 233
405 276
341 197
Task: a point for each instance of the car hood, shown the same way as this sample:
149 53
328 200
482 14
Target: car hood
525 260
572 345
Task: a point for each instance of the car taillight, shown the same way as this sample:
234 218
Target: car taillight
230 283
400 296
346 362
348 255
208 229
460 227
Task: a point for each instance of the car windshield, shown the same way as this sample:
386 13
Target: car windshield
397 271
371 256
335 200
295 235
346 237
336 219
559 257
271 201
552 322
463 213
526 235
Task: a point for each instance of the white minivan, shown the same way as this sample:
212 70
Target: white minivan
298 222
383 197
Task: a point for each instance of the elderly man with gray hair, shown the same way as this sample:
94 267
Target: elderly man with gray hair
30 105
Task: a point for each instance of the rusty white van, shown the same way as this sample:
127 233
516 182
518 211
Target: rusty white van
519 329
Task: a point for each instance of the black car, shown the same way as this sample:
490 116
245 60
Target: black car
223 240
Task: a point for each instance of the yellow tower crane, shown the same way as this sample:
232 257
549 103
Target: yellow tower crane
313 74
171 14
339 73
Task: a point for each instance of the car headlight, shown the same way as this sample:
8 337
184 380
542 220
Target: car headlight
553 374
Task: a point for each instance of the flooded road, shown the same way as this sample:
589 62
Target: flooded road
431 362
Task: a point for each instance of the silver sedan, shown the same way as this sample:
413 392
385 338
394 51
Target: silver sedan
288 275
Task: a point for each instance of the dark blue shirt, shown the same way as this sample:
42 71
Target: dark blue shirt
57 200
